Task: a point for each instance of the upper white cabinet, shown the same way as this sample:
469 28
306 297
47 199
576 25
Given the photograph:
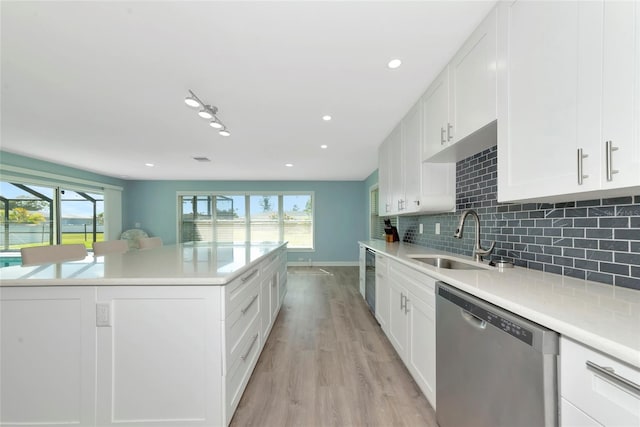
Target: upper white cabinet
462 100
406 184
568 100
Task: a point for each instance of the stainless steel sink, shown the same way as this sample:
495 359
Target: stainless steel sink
449 263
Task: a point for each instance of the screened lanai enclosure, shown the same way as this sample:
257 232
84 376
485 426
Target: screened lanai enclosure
34 215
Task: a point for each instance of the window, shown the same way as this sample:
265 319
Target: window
35 215
248 217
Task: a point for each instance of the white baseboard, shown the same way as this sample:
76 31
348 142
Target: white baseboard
323 264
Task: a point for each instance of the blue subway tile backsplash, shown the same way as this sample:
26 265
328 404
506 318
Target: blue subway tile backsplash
596 240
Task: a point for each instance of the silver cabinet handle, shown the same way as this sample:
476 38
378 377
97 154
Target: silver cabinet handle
249 276
402 297
244 356
449 132
610 373
244 310
581 157
442 139
608 153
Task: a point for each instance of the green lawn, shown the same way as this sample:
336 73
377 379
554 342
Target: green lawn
67 238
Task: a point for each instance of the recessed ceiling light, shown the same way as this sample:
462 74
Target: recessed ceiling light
324 146
394 63
150 165
289 165
326 118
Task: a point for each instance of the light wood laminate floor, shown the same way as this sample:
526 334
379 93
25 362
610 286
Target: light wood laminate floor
328 363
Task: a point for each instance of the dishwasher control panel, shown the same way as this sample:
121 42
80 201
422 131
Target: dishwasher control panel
510 327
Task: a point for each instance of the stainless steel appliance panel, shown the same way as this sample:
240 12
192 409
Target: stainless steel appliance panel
493 368
370 279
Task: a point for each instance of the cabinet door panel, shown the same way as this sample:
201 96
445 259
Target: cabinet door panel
384 179
411 151
620 92
546 101
398 326
473 81
422 346
383 294
396 181
48 356
436 115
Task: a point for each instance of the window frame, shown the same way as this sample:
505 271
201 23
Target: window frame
247 195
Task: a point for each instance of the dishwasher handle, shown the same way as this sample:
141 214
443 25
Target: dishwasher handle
474 321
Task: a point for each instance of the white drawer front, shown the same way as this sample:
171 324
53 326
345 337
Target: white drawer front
570 416
238 323
240 370
238 290
598 394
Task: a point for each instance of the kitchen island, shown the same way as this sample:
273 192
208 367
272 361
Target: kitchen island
166 336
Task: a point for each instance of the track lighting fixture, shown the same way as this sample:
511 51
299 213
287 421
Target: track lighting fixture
207 112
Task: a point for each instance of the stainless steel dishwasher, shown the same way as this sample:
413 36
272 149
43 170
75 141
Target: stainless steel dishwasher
493 368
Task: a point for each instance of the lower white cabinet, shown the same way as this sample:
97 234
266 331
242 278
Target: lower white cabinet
362 263
134 355
411 325
593 389
382 291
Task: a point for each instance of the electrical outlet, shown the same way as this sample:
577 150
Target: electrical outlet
437 228
420 228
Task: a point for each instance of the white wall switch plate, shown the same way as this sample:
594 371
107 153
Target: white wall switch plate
420 228
437 228
103 314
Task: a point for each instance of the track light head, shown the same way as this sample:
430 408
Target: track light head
224 132
216 124
205 114
192 102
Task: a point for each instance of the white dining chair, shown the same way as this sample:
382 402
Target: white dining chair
110 247
149 242
49 254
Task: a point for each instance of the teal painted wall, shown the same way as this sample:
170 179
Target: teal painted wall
341 207
340 211
17 160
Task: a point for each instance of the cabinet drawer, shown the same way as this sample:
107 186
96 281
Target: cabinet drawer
597 393
571 416
238 323
240 289
419 284
240 369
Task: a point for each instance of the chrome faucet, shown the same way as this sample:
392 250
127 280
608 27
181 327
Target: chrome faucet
478 252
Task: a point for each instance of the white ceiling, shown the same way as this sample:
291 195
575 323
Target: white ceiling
100 85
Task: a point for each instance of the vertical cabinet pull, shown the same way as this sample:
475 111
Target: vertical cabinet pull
442 138
449 132
581 157
244 356
402 301
609 161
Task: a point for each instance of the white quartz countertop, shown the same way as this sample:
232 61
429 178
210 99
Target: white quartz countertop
194 263
604 317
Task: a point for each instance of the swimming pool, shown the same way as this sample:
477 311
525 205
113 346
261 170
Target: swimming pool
8 261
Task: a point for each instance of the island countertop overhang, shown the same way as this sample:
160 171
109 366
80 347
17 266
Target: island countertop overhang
193 263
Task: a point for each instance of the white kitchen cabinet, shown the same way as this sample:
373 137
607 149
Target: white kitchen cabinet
592 383
150 355
411 326
362 264
411 185
385 201
157 359
462 100
47 369
570 82
383 295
